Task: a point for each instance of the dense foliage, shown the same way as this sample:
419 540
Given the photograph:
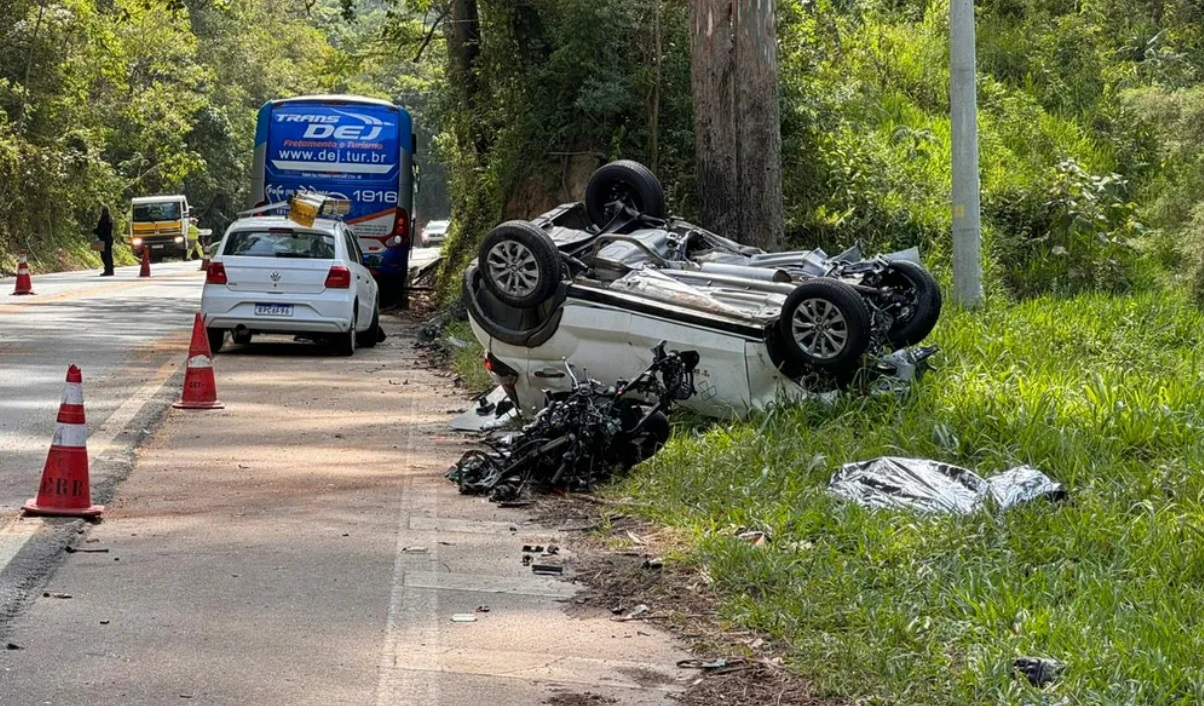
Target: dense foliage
103 100
1086 119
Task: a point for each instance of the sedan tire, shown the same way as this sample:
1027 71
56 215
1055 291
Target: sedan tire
825 324
626 182
368 339
217 338
345 343
924 305
520 264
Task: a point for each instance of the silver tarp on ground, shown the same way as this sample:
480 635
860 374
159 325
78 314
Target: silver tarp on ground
932 486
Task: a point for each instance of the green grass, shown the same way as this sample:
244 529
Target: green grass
467 360
1105 394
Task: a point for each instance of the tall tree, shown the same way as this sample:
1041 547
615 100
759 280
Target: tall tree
737 133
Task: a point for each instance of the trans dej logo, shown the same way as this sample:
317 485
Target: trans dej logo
328 140
322 127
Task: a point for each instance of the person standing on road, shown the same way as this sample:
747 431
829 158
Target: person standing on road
104 233
194 240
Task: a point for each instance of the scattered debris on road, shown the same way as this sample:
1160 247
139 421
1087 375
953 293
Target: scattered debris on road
720 663
634 614
56 595
74 550
547 570
583 437
464 618
932 486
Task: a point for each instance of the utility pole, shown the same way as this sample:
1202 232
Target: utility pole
963 102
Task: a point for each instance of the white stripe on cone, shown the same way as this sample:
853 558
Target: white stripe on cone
73 393
200 361
70 435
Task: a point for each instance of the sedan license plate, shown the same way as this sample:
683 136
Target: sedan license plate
273 309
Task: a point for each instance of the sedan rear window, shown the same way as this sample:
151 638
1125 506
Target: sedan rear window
302 244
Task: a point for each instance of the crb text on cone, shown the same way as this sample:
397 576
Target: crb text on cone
24 282
65 489
200 388
145 270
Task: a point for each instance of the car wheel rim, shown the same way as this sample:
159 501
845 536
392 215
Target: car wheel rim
514 268
820 329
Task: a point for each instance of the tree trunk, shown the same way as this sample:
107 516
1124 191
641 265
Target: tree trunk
464 51
654 107
737 131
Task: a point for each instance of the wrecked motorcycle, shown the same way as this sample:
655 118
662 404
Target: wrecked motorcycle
583 435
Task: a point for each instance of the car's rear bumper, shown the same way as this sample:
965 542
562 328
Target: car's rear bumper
222 309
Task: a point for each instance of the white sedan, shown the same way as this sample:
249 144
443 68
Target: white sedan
271 275
434 233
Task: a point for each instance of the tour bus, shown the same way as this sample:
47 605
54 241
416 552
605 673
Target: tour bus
350 147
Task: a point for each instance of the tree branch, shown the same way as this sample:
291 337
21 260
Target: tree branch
431 32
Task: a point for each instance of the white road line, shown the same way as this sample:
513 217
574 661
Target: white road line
410 611
19 531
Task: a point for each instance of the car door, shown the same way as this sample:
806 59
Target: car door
365 285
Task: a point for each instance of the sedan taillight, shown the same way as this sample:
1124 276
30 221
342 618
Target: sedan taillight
216 274
339 278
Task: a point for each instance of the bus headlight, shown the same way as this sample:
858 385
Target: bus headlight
179 238
395 241
136 242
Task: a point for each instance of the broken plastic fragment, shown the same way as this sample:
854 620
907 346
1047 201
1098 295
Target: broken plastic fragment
1038 670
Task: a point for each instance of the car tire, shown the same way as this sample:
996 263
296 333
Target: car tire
241 339
825 324
520 264
926 305
345 343
217 338
368 338
627 181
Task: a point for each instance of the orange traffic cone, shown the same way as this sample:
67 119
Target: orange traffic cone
200 389
24 284
145 271
65 490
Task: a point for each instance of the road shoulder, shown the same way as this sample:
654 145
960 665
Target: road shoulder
302 546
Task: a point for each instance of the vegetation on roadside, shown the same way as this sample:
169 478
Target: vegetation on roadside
466 356
1104 393
1087 128
103 100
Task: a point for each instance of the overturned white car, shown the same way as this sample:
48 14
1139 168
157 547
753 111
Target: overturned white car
599 283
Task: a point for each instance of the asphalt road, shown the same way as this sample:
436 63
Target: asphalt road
299 546
121 331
